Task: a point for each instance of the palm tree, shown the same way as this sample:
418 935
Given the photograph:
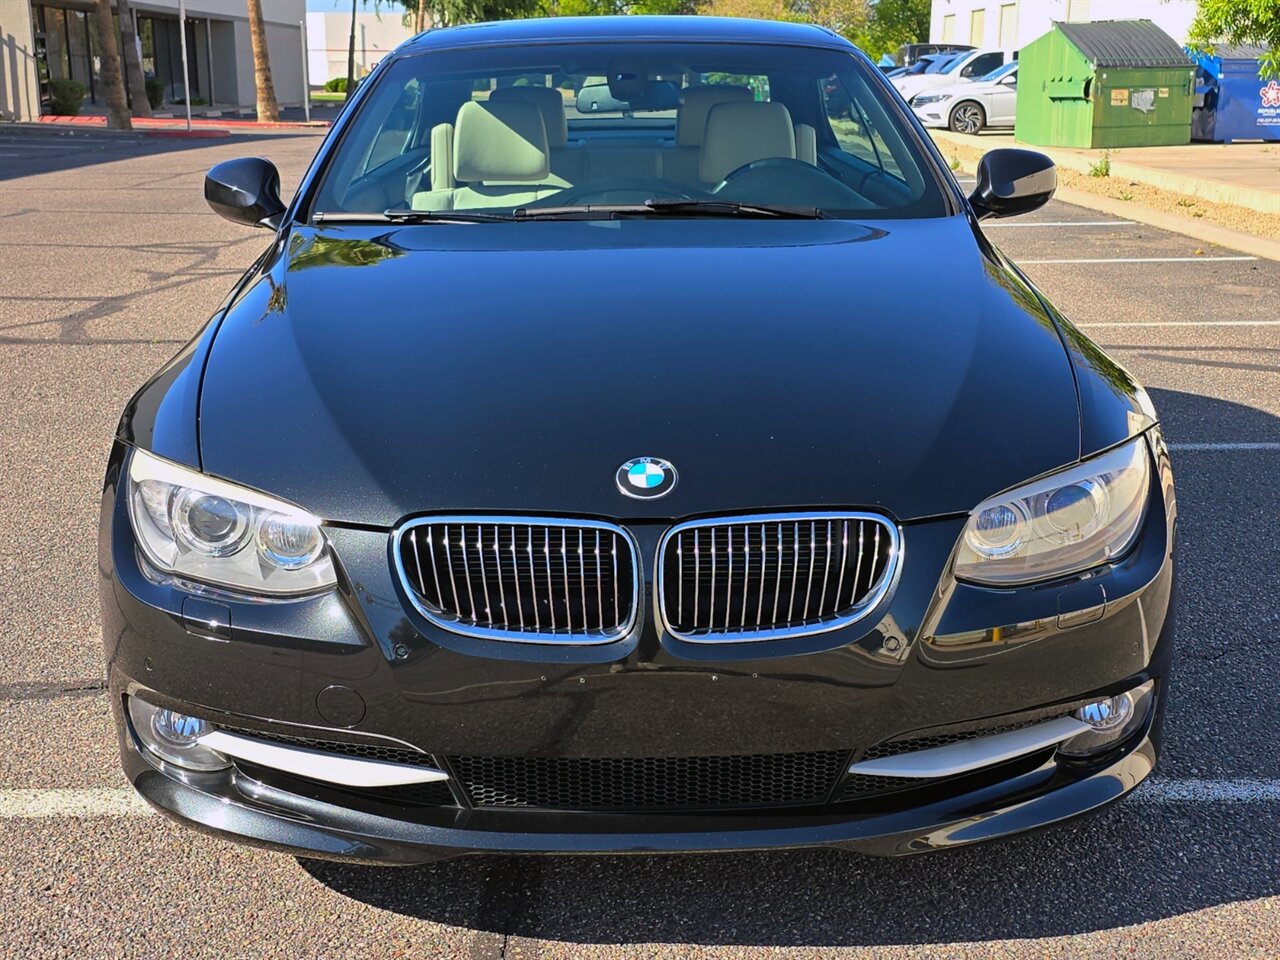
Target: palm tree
112 80
351 56
132 65
268 108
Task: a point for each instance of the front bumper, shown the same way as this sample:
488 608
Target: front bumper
248 811
932 114
934 653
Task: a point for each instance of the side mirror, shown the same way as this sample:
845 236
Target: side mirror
245 191
1012 182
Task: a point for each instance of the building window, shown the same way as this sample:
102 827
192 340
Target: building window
65 48
949 28
977 26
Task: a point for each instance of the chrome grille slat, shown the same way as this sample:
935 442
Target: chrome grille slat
796 587
483 576
466 572
599 588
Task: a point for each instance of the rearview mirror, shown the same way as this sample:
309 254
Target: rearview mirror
1012 182
245 191
597 99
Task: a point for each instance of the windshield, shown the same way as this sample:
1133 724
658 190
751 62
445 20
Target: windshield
943 63
999 72
608 129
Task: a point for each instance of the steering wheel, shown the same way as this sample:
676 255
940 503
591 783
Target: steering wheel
599 191
792 181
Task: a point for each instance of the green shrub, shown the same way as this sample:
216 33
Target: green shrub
1103 167
155 92
66 97
337 85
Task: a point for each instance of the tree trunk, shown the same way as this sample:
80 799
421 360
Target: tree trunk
351 56
268 108
112 81
132 62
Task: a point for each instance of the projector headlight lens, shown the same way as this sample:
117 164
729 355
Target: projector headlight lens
211 531
1064 523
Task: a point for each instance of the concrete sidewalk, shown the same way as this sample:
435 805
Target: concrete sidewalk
176 125
1242 174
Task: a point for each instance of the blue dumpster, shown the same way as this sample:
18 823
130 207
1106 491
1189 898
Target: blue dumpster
1231 103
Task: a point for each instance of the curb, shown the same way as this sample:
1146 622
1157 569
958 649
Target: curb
84 129
150 125
1206 232
1264 201
192 134
1125 210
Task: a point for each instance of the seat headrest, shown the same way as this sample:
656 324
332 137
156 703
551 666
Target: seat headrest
739 133
696 103
499 142
442 157
548 100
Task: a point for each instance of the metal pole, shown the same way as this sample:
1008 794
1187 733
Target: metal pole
186 74
306 73
208 49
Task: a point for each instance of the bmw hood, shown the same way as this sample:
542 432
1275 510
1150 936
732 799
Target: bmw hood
368 374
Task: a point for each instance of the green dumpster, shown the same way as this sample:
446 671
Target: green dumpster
1112 83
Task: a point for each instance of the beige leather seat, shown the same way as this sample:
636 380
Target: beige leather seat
566 163
740 133
500 159
807 144
691 123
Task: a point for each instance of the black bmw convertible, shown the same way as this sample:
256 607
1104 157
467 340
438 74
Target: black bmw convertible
628 441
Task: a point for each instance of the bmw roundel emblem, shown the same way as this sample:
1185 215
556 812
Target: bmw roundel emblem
646 478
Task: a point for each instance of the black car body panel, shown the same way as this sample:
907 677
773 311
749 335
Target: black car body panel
372 374
610 365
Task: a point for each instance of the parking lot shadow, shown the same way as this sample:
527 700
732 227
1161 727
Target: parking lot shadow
1144 859
30 150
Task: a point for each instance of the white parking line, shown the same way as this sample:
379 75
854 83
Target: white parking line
124 802
1182 323
1063 223
1223 446
91 802
1142 260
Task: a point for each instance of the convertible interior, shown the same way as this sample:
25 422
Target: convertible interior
523 140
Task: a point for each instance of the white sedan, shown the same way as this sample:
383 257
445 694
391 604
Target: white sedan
971 107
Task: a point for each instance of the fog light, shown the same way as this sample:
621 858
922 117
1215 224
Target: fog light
1110 721
174 737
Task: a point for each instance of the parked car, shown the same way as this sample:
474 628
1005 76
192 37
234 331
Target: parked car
961 67
584 482
971 107
909 53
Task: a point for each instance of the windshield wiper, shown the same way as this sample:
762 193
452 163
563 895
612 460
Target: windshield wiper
734 208
413 216
657 207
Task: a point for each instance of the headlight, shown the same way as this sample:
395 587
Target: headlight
925 98
1070 521
215 532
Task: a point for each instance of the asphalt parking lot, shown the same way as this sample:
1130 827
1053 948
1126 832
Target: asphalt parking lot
111 261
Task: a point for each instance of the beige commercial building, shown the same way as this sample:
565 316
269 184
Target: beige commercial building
329 35
41 40
1012 24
